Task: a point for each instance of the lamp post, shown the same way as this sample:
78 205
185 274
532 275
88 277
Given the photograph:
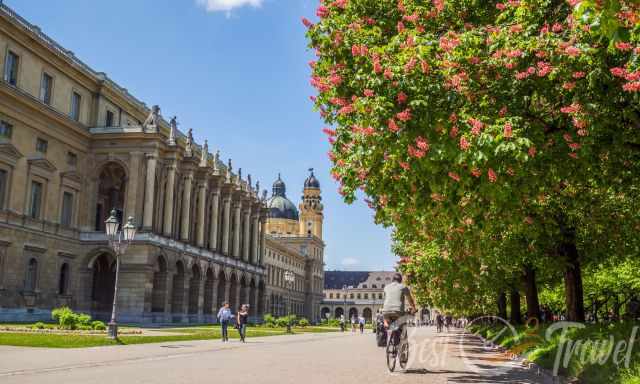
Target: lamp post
119 241
344 309
289 278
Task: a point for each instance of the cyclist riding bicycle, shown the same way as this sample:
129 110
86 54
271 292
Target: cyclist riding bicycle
394 296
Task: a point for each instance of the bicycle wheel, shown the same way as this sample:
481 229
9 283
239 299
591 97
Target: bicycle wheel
403 355
392 352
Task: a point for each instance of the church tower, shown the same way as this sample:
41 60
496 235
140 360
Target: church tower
311 208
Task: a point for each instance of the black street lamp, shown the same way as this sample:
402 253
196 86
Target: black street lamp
289 278
119 241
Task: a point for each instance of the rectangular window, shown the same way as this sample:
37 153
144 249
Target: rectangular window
67 209
6 130
109 119
36 200
46 86
11 68
76 103
41 145
72 159
4 179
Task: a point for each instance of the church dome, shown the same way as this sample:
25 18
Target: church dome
311 181
279 206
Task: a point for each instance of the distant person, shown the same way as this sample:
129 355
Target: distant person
361 322
224 316
354 321
241 321
342 325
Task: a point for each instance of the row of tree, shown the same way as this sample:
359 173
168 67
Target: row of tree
499 139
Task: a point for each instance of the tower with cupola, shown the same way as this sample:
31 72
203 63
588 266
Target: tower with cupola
311 216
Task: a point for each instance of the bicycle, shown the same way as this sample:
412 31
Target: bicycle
397 346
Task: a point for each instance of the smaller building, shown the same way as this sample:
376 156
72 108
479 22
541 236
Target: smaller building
358 293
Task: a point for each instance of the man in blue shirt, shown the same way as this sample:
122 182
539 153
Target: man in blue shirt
224 316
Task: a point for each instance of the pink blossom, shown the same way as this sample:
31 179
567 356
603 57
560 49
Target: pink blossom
411 18
402 98
572 51
544 68
532 151
618 72
573 108
400 27
454 176
578 123
476 126
404 115
464 144
306 22
388 74
578 75
322 11
574 146
329 131
438 4
632 86
557 27
347 109
567 137
632 76
414 152
569 85
422 143
424 66
368 93
454 132
573 154
623 46
404 165
410 65
515 53
492 175
393 127
508 130
503 111
516 28
476 172
340 3
501 6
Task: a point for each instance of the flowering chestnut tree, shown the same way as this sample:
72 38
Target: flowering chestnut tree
449 114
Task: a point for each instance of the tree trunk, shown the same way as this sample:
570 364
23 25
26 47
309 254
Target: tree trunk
531 293
572 280
502 305
516 316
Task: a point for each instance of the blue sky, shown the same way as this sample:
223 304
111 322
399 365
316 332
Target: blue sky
236 72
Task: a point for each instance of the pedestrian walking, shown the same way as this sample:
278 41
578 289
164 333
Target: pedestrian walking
342 325
354 320
224 316
241 321
361 322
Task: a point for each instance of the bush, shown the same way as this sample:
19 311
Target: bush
67 319
39 325
303 322
282 322
269 320
333 322
98 325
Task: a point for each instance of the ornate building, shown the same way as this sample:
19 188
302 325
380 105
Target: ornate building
294 243
353 293
73 146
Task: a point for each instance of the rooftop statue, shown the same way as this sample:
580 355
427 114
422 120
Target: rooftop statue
188 150
153 120
174 130
205 154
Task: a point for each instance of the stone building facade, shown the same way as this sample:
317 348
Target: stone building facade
353 293
294 243
73 146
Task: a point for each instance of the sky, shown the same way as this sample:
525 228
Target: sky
236 71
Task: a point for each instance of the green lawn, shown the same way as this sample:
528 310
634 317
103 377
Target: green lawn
181 334
534 345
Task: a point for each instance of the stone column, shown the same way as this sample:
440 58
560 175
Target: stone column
261 250
226 224
130 205
201 298
256 301
214 298
168 200
227 291
254 239
213 226
246 236
236 231
149 192
186 207
202 204
236 305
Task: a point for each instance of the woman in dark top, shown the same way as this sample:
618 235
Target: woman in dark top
243 316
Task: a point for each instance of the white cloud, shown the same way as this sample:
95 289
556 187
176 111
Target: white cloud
227 5
350 262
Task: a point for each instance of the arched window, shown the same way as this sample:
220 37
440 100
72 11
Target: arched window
63 283
31 279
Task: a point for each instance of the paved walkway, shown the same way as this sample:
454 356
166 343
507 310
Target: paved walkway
329 358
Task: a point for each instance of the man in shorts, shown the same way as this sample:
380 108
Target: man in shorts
394 296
